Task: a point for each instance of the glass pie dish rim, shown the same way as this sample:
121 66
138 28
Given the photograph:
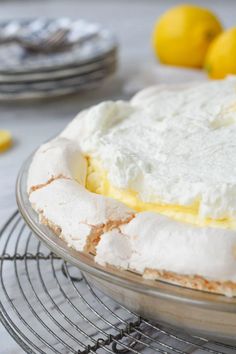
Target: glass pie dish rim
125 278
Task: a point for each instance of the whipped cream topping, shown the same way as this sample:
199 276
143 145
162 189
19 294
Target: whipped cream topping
171 145
59 157
152 241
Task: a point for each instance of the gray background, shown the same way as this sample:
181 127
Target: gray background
33 122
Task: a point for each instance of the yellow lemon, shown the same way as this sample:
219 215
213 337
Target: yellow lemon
221 56
5 140
183 34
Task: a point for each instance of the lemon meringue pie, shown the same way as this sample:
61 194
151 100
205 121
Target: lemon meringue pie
148 185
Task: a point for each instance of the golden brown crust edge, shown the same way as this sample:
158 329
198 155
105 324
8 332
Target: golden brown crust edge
95 234
196 282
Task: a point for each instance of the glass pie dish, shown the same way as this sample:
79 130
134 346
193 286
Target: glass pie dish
198 312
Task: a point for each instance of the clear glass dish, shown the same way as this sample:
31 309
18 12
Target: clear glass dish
202 313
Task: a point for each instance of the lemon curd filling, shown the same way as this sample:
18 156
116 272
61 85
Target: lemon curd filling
98 182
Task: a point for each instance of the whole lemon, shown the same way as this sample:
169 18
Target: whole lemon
183 34
221 56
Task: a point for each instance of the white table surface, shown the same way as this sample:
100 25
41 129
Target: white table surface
33 122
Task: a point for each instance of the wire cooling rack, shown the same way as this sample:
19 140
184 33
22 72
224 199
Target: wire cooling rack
48 306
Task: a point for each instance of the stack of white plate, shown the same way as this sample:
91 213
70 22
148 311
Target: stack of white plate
24 74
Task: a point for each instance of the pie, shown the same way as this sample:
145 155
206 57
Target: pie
149 184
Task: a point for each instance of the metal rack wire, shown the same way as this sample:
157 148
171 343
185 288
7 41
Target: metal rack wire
49 307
